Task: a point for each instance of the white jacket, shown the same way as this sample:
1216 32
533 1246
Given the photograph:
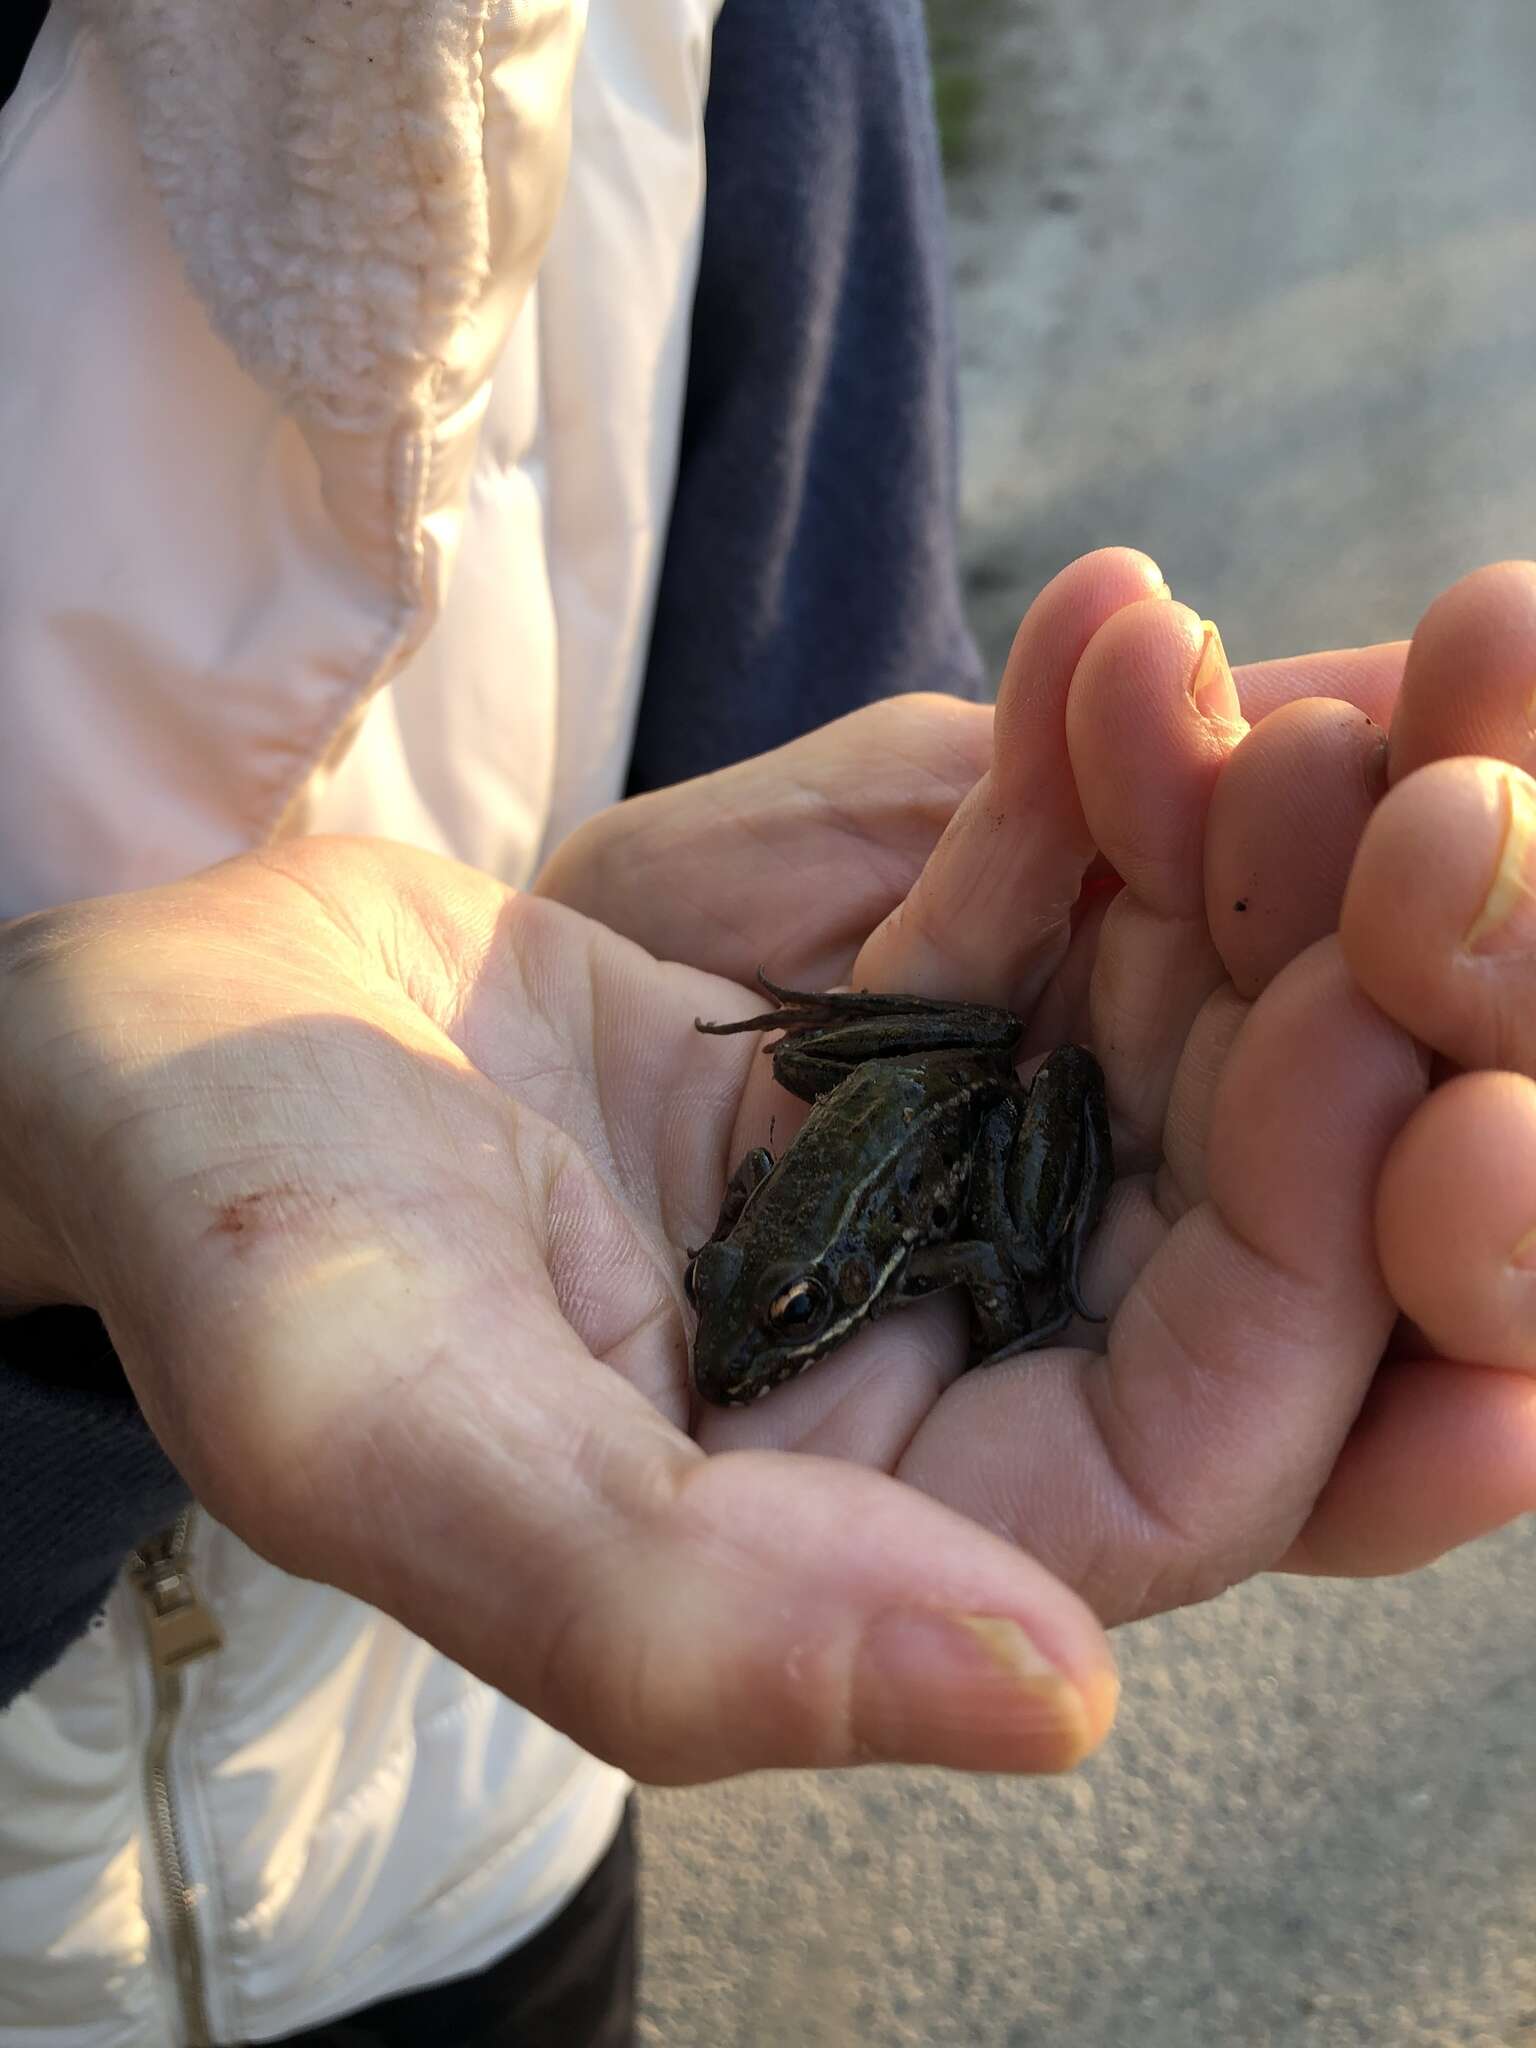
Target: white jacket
339 435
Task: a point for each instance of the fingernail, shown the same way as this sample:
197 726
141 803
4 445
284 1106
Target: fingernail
1211 685
1506 923
1524 1253
972 1691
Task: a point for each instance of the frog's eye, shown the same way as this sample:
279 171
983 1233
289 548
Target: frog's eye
691 1280
799 1306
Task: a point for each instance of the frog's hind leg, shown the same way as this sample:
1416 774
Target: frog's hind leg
1060 1171
1095 1177
827 1036
1040 1169
980 1258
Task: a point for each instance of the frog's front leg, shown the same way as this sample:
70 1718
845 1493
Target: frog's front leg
1000 1307
739 1190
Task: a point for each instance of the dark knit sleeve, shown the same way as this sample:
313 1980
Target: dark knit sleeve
811 563
82 1481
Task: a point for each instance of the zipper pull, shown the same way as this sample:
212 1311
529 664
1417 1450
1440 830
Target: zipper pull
179 1627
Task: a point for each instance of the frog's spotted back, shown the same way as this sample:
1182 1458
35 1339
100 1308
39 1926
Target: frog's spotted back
924 1164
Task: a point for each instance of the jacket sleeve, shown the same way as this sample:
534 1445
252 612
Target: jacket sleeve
811 563
82 1481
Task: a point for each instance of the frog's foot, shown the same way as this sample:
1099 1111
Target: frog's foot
1070 1276
1077 1305
1033 1340
935 1023
799 1010
868 1002
803 1009
1006 1313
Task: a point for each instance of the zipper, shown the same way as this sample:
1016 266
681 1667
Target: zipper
179 1629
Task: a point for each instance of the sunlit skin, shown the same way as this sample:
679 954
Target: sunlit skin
381 1173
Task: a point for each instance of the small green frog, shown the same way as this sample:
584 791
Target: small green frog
924 1163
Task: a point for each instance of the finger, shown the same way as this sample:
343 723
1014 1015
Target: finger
990 915
1151 718
1284 823
1191 1455
523 1508
1467 686
1439 918
1183 1180
1456 1219
1440 1455
1367 677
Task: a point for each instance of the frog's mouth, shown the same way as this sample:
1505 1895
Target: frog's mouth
755 1385
788 1365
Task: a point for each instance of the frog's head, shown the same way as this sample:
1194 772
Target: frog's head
758 1325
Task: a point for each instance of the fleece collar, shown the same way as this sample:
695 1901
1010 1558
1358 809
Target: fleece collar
321 166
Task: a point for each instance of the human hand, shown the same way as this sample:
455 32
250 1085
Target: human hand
1200 1437
377 1173
1321 1466
1179 961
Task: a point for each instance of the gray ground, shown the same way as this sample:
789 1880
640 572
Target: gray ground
1252 285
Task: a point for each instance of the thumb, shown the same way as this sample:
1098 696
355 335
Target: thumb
778 1610
532 1515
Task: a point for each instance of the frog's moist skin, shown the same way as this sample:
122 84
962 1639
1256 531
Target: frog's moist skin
925 1163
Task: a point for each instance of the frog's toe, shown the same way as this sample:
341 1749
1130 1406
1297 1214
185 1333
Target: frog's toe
1032 1340
1078 1306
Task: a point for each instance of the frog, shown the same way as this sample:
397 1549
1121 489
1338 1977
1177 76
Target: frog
925 1163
